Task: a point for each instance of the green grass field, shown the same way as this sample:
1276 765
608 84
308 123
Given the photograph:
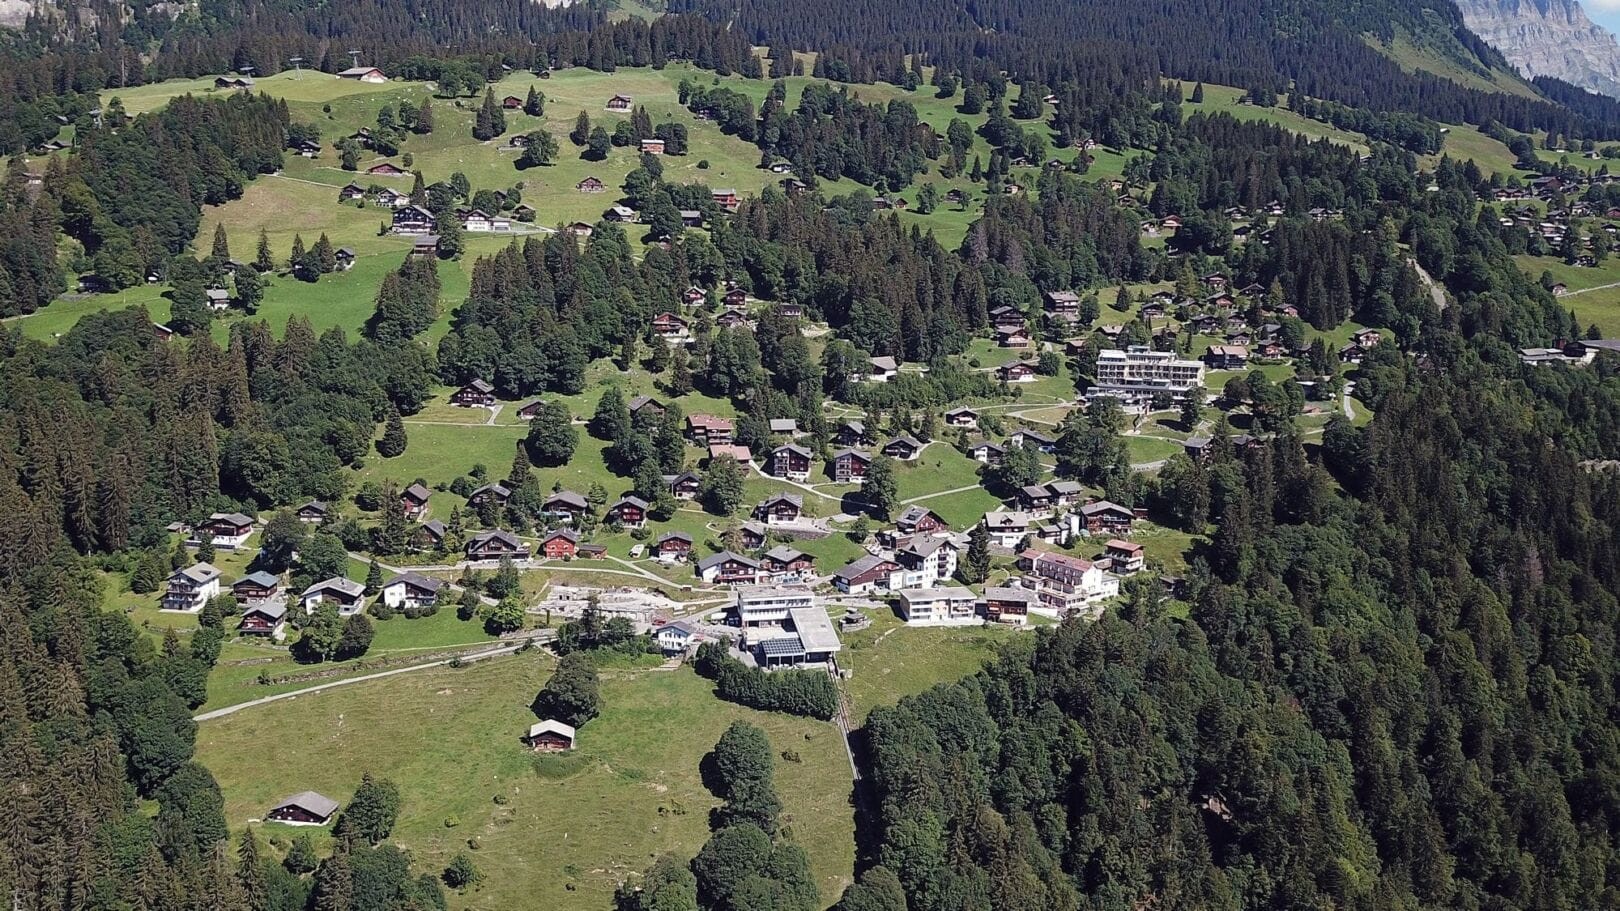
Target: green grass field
891 660
554 832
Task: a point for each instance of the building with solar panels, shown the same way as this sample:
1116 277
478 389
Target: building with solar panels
807 639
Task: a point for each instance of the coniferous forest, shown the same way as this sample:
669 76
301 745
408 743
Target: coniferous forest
1394 687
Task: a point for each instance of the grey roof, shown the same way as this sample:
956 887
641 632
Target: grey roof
783 553
922 547
914 514
198 574
859 566
794 448
905 439
259 578
991 445
885 363
674 536
642 401
418 493
480 385
782 647
796 499
275 610
1002 593
319 804
564 533
857 426
863 456
1196 442
435 528
784 425
721 557
1033 434
316 506
945 593
499 490
1035 491
1064 488
569 498
494 534
416 580
338 584
1101 506
235 518
814 628
631 500
962 409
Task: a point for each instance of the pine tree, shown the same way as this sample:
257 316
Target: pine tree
325 255
424 118
393 441
975 566
296 260
581 133
220 255
374 578
535 104
264 261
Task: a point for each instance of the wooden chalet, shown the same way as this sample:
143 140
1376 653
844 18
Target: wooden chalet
1004 604
549 736
256 586
591 185
385 169
726 199
727 568
620 104
962 417
566 505
685 486
413 220
229 529
476 394
428 536
646 403
314 511
630 511
559 544
265 618
920 520
491 493
1103 517
781 509
790 461
783 561
849 465
1016 372
511 103
495 544
414 500
306 809
529 410
672 546
904 447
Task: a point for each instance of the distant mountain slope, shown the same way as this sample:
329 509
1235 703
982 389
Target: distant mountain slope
1548 38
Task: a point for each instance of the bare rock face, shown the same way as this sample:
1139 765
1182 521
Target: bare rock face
1548 38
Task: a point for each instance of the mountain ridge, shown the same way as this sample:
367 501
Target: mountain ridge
1548 38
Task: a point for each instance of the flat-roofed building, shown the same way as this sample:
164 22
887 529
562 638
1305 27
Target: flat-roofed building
1138 372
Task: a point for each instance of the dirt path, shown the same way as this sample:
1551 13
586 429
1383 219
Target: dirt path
320 687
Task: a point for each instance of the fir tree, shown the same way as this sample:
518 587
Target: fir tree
393 441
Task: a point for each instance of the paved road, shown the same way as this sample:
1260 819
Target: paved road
320 687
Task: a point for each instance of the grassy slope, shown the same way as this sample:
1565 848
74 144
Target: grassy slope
562 839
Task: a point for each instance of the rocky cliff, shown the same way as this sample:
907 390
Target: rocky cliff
1548 38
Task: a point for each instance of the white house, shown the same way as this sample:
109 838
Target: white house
1007 529
675 638
949 606
348 595
411 590
190 588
